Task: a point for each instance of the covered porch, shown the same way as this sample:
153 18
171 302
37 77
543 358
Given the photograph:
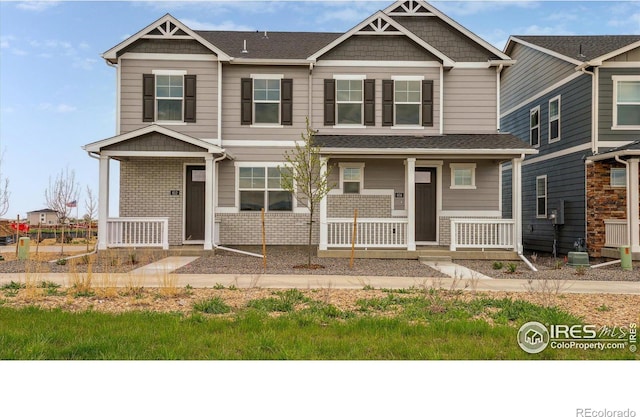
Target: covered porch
167 189
418 195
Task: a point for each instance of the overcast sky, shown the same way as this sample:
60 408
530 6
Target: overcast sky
57 93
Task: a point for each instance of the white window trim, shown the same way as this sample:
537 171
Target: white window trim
253 100
155 73
554 119
616 79
546 197
265 165
533 110
611 184
419 103
454 167
342 166
348 77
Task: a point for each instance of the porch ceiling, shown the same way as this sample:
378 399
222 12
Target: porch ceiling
471 144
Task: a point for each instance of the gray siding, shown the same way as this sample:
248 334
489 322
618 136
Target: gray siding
378 74
379 48
154 142
207 90
533 72
484 197
166 46
605 106
231 127
470 101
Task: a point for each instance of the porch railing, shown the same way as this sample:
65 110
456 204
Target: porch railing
482 233
615 233
138 232
370 233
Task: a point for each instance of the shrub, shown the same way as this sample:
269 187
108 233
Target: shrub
511 268
61 261
215 305
497 265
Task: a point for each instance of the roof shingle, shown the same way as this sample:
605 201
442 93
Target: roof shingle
589 46
497 141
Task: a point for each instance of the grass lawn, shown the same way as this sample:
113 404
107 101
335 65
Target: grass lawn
289 326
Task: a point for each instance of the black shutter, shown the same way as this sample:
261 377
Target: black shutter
286 101
427 103
369 102
387 102
246 87
329 102
190 98
148 97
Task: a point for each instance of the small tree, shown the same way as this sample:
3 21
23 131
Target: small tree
61 196
305 177
91 205
4 192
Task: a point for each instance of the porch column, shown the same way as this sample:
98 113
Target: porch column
411 203
634 200
516 202
209 173
324 231
103 202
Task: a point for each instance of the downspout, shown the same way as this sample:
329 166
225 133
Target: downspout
518 217
628 196
499 69
441 99
594 110
310 94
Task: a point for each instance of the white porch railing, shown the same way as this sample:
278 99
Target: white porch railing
138 232
615 233
482 233
370 233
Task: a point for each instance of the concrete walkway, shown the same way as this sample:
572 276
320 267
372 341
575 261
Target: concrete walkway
454 270
164 266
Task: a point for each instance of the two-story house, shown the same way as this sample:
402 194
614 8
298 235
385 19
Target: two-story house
406 110
577 100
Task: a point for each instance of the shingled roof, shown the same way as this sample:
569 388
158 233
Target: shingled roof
275 45
589 46
467 142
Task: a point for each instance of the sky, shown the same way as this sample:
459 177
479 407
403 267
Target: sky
57 93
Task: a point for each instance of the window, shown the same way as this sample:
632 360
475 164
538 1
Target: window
266 101
541 197
463 176
351 176
169 92
407 102
260 187
43 218
626 98
554 119
618 177
349 100
534 127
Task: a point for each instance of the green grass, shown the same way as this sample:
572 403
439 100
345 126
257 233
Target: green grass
422 327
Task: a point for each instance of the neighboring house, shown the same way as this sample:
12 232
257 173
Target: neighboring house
577 100
405 106
45 216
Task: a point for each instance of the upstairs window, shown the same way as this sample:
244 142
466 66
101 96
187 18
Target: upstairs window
266 100
554 119
407 102
169 96
349 101
534 127
626 99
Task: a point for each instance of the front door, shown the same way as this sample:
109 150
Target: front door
426 196
194 203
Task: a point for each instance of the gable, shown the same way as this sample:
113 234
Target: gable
165 46
154 141
629 56
379 48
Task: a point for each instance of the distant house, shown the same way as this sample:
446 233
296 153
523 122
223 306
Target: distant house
405 105
577 100
44 217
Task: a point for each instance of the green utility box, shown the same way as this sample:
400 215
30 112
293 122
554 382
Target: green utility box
625 258
578 259
23 248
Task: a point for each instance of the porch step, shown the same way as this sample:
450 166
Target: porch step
431 258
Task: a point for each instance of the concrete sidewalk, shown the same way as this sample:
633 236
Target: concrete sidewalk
339 282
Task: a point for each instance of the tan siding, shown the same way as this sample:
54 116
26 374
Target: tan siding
630 56
378 74
470 101
231 127
207 90
484 197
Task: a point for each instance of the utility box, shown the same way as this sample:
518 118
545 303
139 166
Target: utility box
23 248
578 259
625 258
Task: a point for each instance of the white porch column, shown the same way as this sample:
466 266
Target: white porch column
411 203
324 227
103 202
209 173
633 215
516 202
